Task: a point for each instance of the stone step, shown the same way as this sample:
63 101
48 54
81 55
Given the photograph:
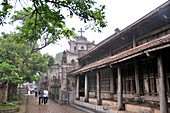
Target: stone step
101 108
86 109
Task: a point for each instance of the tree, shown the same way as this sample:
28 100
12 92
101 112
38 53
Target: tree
58 57
5 11
45 20
14 70
10 66
50 59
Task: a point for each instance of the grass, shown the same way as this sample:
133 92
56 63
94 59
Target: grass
8 106
15 97
16 101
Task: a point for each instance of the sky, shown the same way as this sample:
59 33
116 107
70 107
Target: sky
119 14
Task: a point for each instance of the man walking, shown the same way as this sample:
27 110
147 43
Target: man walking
41 93
35 92
45 96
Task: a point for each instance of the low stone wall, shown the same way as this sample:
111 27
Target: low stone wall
111 106
11 110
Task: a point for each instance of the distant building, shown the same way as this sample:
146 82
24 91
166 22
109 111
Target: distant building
60 84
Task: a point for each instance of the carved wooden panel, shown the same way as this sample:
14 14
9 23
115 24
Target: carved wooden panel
92 81
105 80
166 66
128 78
149 77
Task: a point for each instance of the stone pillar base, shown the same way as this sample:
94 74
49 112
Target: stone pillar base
137 97
63 97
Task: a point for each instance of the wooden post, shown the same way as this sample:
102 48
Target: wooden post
136 68
120 99
134 41
86 89
77 90
99 101
162 92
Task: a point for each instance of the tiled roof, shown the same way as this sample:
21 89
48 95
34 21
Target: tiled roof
147 47
128 28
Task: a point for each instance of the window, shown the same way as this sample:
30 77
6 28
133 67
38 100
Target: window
75 49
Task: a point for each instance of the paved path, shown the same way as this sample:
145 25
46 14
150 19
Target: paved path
30 105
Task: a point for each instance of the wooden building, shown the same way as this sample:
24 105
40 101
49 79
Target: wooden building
132 64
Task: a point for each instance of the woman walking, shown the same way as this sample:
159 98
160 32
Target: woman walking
45 96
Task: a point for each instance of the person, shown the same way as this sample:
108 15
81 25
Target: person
45 96
41 93
28 90
35 92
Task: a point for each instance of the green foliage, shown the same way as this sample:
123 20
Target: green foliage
12 62
8 105
45 20
50 59
58 57
5 11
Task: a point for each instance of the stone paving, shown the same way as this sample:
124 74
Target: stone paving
30 105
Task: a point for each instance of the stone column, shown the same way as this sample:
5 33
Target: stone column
162 92
99 101
136 68
77 90
119 92
86 89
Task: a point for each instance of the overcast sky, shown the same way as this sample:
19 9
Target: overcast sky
119 14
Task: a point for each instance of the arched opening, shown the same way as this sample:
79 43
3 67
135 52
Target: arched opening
72 61
82 47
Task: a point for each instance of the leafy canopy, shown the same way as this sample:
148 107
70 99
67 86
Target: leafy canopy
45 19
12 62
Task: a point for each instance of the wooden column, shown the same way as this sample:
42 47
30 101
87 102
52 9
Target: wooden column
162 92
99 101
86 89
136 68
111 81
119 92
134 41
77 90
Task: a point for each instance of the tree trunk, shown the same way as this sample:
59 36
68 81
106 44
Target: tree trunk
10 87
15 89
4 93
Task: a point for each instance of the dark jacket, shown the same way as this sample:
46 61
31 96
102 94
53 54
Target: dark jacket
41 93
